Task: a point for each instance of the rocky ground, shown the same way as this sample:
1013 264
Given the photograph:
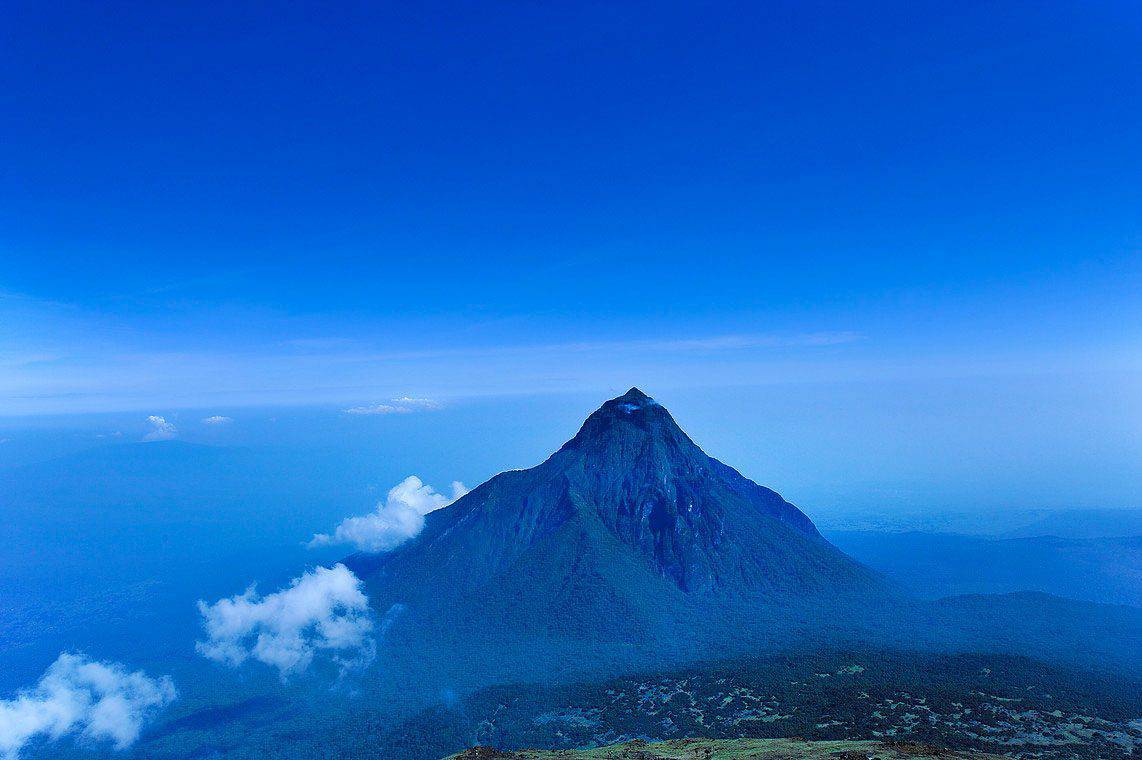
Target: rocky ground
731 749
988 705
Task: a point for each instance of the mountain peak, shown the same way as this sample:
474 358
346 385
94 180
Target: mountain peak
634 395
633 415
632 401
634 469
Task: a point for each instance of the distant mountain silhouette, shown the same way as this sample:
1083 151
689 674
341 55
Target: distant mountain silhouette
935 565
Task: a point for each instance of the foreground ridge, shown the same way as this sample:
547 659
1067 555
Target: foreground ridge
730 749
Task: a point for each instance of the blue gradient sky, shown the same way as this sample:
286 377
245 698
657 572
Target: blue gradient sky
854 208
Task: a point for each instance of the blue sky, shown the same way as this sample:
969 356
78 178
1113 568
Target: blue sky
226 205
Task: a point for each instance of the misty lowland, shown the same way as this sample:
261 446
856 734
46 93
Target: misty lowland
590 380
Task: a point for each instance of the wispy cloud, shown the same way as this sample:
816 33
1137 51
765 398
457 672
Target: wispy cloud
96 367
403 405
321 612
727 342
319 344
96 700
396 519
217 419
719 342
161 430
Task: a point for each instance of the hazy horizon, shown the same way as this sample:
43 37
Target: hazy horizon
811 444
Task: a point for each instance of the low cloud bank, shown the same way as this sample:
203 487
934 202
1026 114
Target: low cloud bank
99 701
403 405
217 419
323 612
161 430
397 519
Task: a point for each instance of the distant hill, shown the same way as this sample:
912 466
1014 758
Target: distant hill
1082 523
1107 637
1004 523
933 565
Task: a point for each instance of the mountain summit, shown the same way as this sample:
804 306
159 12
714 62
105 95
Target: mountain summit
656 491
627 530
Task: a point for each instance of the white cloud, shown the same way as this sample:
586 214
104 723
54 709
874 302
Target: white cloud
379 409
161 430
96 700
402 405
217 419
417 403
397 519
323 611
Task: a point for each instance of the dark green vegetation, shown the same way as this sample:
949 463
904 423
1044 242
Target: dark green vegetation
1002 705
730 749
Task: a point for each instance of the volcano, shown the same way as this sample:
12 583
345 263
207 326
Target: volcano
628 532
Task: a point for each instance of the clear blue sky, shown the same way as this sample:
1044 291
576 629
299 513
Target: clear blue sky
242 204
